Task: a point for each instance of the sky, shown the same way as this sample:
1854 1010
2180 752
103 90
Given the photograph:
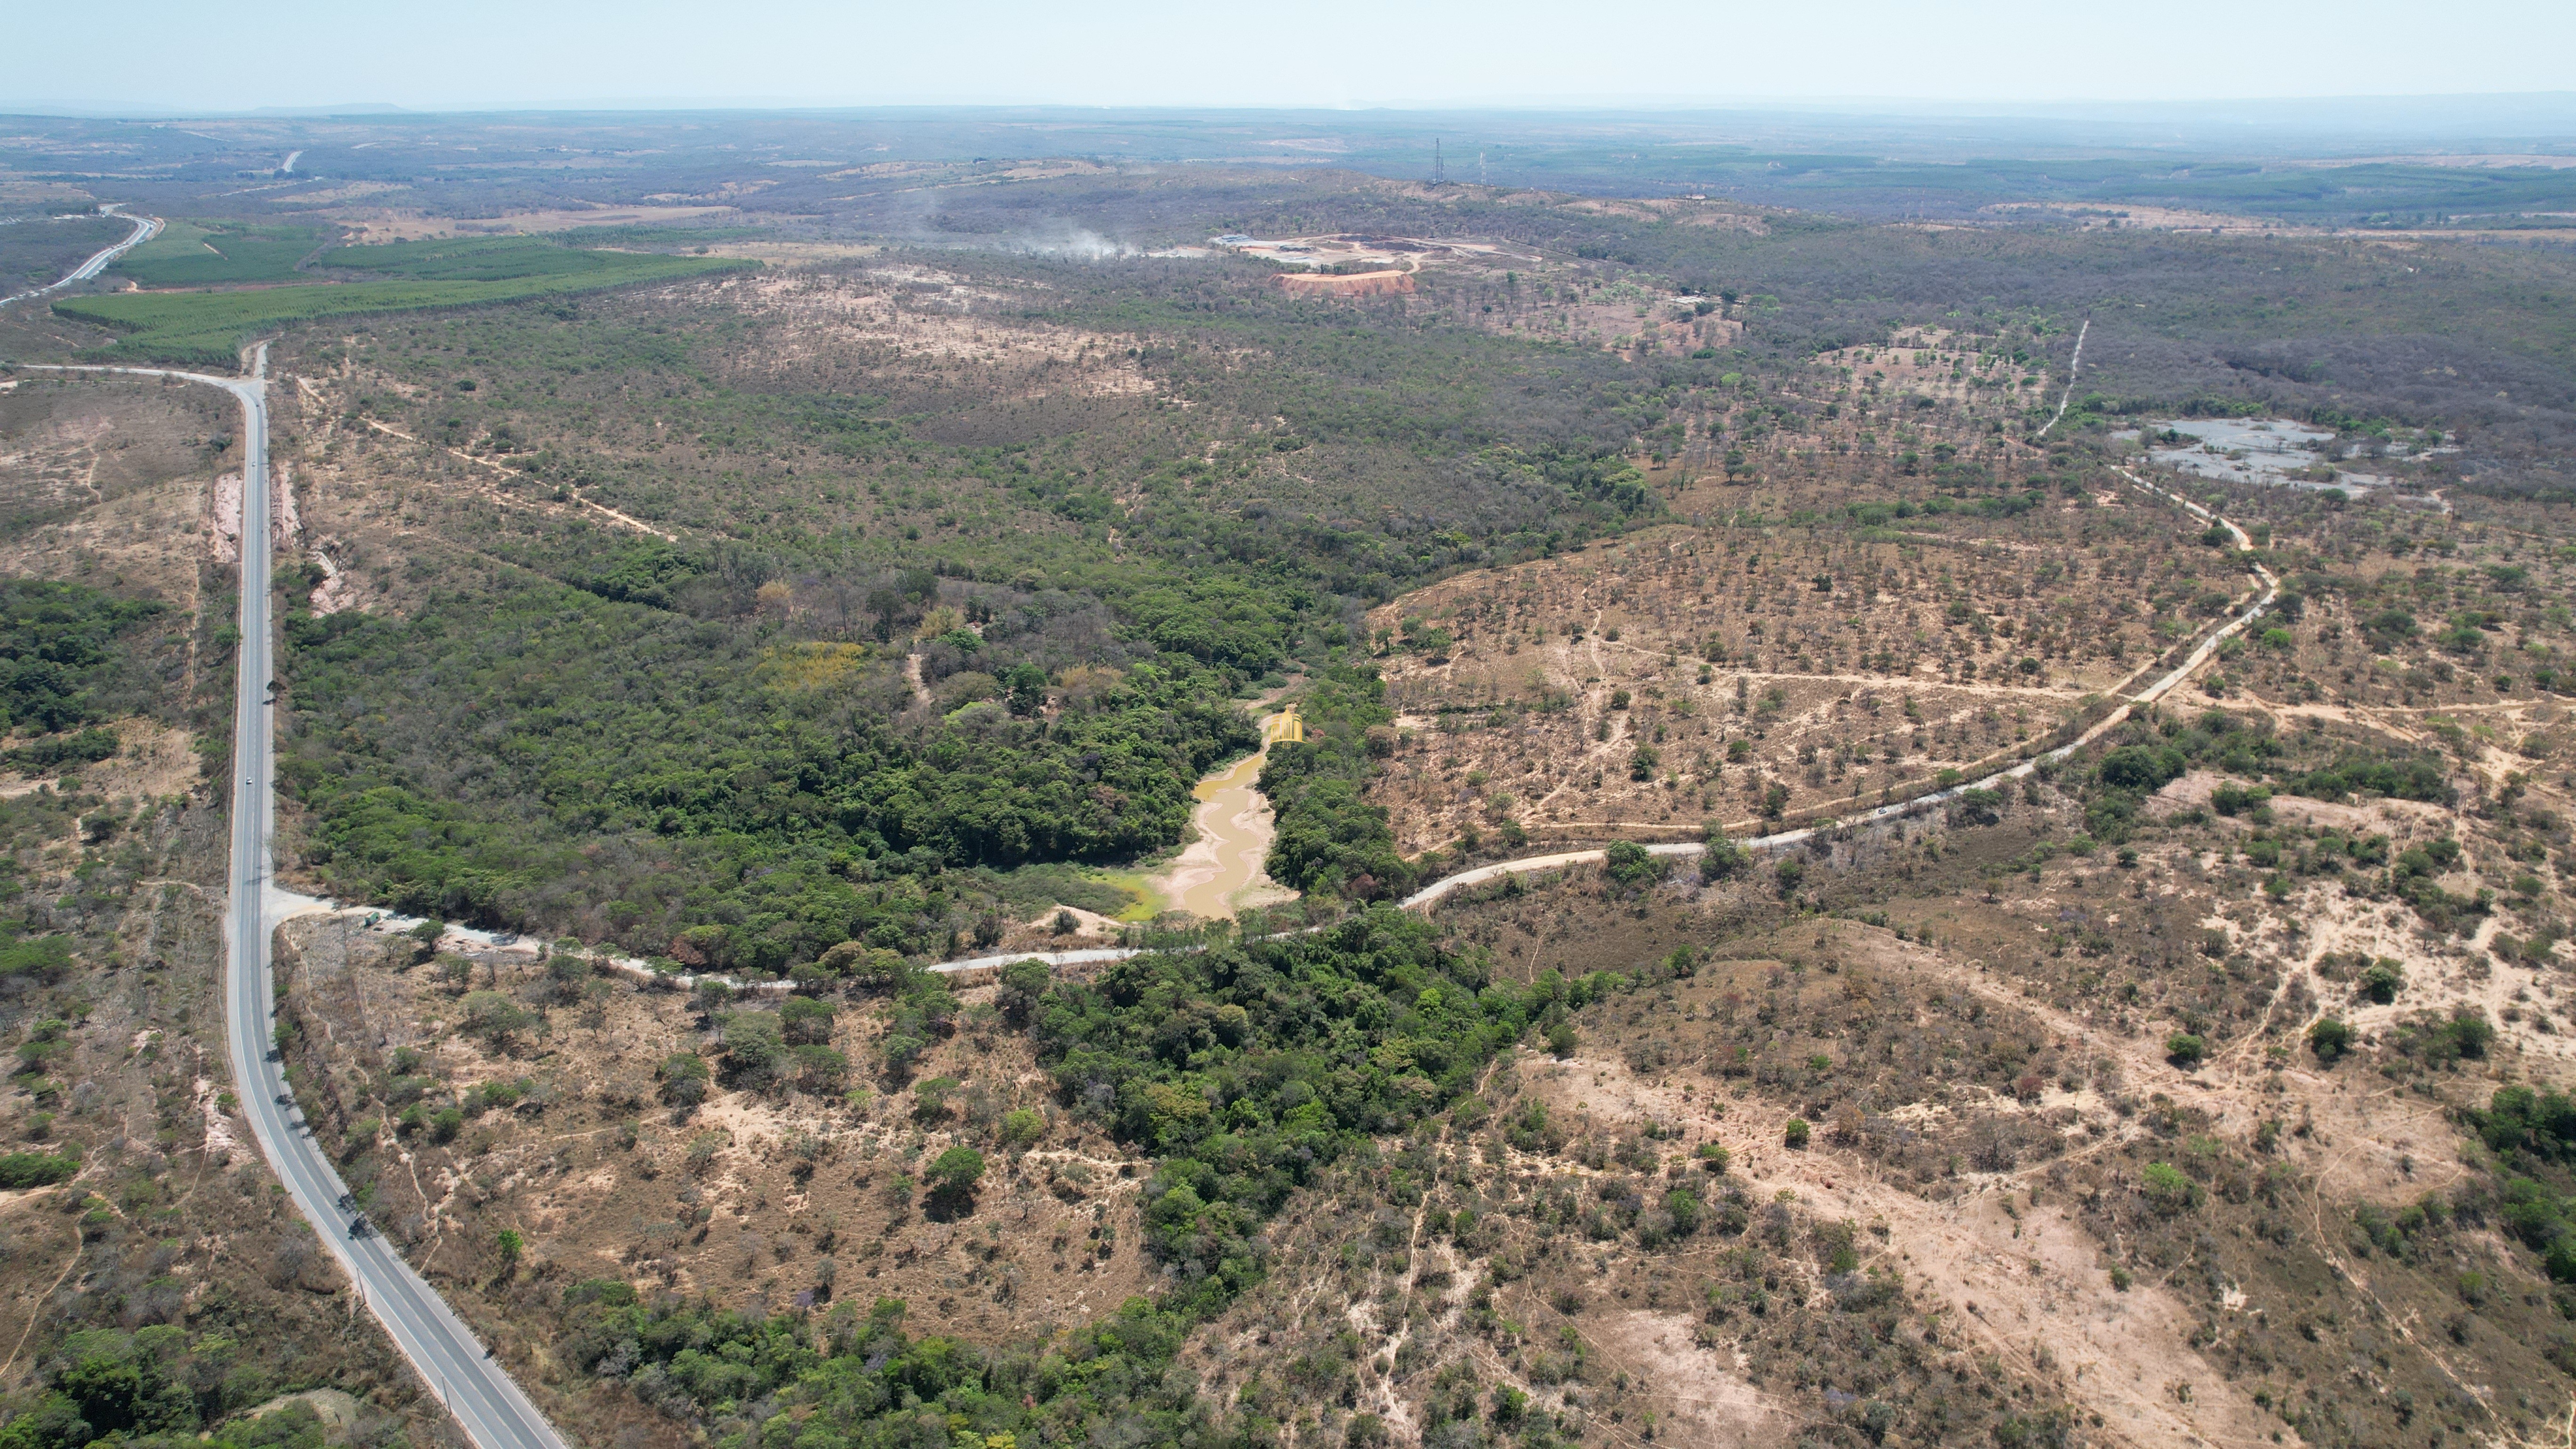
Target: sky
162 55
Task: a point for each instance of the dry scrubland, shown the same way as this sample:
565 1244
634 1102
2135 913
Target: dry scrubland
1979 1031
168 1218
1800 637
567 1130
1978 1041
136 1204
2010 1191
1679 675
1808 645
1971 1243
112 478
2010 1123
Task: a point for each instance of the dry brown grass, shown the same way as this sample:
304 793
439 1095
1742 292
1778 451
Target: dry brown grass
1026 1257
108 479
1739 672
924 314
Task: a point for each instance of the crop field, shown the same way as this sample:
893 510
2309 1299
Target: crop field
209 254
209 326
488 260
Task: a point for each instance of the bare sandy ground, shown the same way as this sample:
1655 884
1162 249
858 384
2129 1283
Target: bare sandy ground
922 312
154 763
225 521
1358 284
1714 1404
2022 1281
1220 872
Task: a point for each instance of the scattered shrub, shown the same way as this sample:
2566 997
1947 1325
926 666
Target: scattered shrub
2330 1039
2166 1189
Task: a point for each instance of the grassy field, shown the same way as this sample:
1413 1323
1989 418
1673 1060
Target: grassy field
477 260
190 254
208 326
1144 903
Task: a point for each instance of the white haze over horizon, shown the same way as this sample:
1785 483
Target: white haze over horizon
159 56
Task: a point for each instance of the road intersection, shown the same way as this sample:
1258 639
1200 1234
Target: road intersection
473 1386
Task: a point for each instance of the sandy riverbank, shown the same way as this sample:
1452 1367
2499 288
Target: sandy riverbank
1220 871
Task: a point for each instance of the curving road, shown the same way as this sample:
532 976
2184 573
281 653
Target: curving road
2156 690
145 228
493 1411
473 1386
1430 895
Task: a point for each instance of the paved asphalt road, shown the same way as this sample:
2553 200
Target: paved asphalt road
474 1387
145 228
444 1351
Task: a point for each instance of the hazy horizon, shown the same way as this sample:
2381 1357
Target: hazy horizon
2557 103
478 55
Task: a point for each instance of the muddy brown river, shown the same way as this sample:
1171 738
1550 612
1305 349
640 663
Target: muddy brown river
1220 871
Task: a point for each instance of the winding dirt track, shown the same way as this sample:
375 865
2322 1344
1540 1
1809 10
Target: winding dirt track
2073 366
1429 895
